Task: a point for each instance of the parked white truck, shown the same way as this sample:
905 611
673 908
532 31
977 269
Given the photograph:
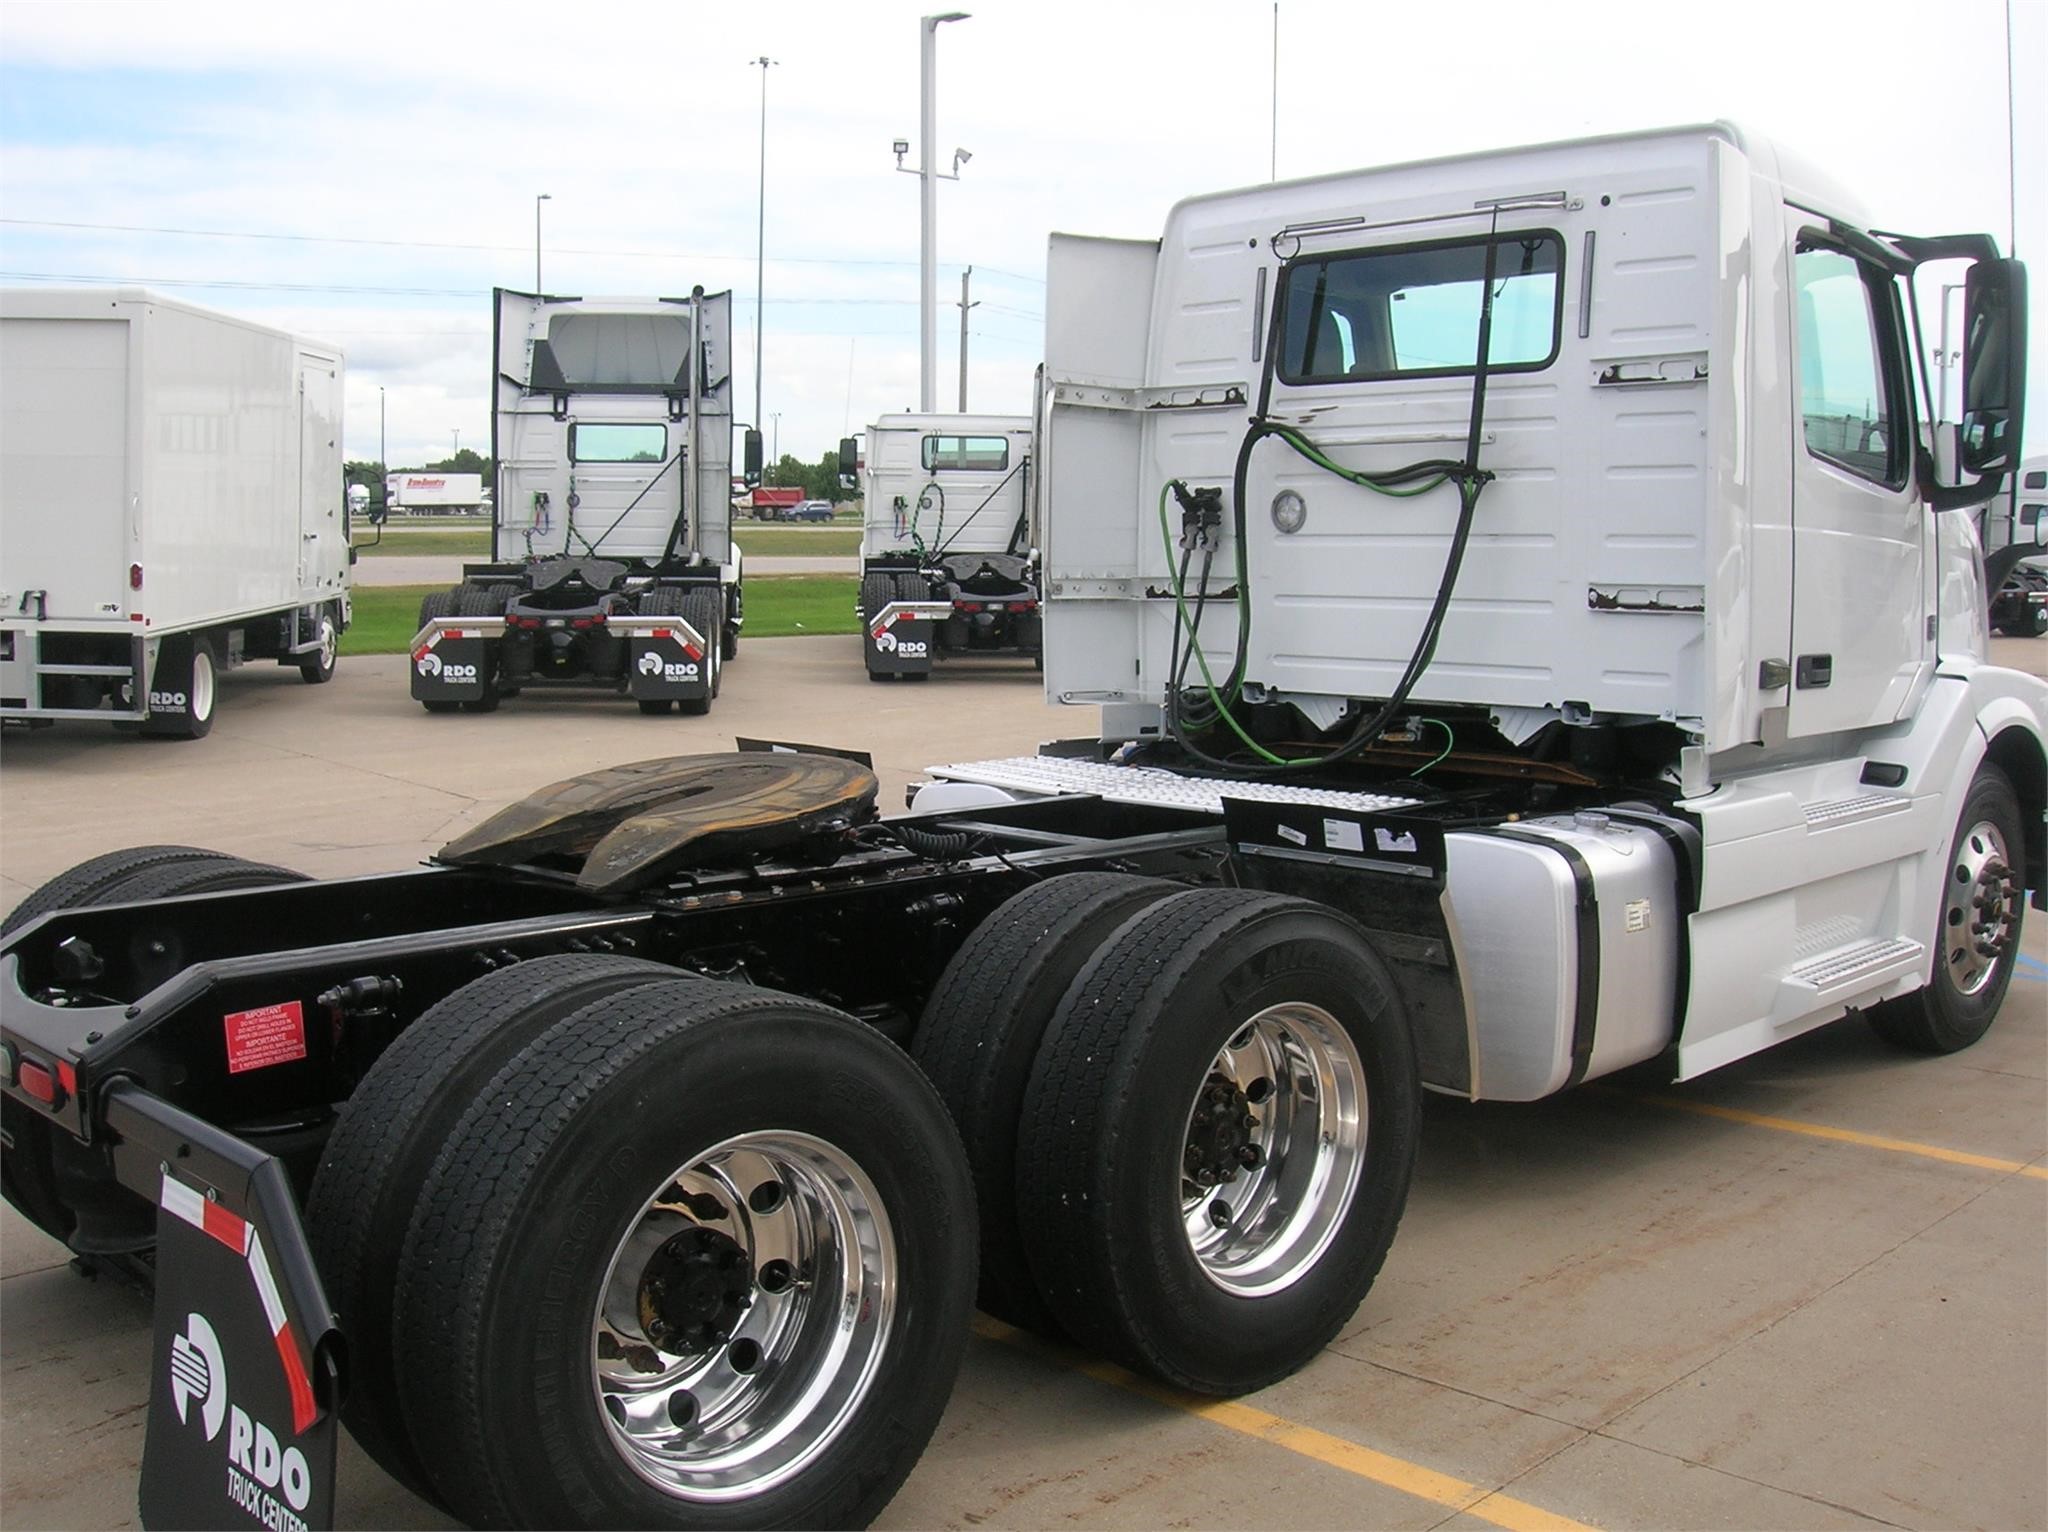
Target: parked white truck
171 504
426 492
1537 633
949 556
612 559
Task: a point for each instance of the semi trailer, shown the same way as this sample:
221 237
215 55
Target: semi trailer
949 555
171 505
612 561
1519 660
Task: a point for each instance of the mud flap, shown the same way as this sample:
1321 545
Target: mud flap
244 1381
668 663
898 640
454 663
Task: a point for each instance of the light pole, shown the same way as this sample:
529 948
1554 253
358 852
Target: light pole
761 230
928 202
964 307
775 438
383 461
458 442
537 201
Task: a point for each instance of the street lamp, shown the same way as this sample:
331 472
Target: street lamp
383 461
537 201
928 201
761 230
775 438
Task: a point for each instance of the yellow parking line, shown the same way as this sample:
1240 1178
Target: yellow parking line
1306 1441
1848 1136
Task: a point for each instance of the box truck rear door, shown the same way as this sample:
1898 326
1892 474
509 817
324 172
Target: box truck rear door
64 465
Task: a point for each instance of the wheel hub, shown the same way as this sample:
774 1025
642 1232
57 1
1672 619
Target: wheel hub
1983 909
1219 1134
695 1291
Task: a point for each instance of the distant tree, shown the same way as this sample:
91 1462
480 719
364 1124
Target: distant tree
464 461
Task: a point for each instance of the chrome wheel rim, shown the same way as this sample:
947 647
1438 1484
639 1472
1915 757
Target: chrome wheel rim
743 1316
1983 909
1273 1149
329 644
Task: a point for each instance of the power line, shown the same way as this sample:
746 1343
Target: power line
429 244
403 292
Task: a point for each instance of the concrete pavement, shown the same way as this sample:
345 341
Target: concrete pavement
1770 1298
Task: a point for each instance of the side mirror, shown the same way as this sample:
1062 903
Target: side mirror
378 514
1994 367
752 459
849 462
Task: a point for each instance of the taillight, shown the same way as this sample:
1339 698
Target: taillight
135 577
38 1081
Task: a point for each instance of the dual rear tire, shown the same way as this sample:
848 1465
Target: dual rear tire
623 1248
1192 1116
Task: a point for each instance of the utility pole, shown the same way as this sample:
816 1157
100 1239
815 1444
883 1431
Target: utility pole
964 307
383 461
928 185
761 233
537 201
458 442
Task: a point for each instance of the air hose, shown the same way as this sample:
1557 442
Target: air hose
1414 479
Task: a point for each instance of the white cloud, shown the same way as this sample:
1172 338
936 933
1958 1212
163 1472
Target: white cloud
440 124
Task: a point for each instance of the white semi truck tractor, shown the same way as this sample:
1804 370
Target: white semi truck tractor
1538 631
612 560
949 545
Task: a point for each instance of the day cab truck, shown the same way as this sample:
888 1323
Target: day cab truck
949 554
1538 630
612 561
171 505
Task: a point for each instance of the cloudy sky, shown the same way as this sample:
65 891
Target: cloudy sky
367 173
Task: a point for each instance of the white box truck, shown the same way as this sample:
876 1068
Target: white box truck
428 491
949 556
171 505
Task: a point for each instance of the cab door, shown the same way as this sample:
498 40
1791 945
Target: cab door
1859 601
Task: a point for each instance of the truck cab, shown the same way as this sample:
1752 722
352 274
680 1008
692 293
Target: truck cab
613 563
949 555
1606 462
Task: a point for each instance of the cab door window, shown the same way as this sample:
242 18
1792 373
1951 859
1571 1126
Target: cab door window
1848 375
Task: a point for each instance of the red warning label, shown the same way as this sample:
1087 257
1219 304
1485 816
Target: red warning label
272 1034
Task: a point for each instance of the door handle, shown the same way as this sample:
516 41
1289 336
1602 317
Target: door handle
1814 671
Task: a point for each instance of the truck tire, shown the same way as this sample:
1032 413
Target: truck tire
634 1181
317 666
28 1175
729 637
1977 937
479 601
981 1030
385 1141
189 658
1252 1051
911 587
438 603
89 881
876 592
704 610
482 601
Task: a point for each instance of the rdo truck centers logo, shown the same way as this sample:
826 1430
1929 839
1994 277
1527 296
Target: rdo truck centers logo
258 1464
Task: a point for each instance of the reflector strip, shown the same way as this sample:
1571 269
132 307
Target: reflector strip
693 651
259 1268
304 1410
